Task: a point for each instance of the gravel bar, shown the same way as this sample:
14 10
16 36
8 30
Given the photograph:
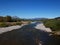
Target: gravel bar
6 29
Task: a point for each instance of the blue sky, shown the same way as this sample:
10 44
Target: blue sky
30 8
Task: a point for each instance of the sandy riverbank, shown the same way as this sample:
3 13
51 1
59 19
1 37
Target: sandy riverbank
6 29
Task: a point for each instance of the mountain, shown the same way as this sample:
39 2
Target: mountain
58 18
37 19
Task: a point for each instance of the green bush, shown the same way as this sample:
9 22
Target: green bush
18 23
53 24
29 22
2 24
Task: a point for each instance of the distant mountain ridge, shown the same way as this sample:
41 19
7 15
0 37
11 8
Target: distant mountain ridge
38 18
57 18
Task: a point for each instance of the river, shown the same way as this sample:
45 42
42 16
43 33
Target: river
26 35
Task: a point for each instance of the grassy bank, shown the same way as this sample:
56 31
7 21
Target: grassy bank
6 24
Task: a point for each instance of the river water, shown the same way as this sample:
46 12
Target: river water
26 35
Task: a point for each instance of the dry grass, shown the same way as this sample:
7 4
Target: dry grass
5 24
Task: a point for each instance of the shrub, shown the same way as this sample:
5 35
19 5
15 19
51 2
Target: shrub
2 24
53 24
29 22
18 23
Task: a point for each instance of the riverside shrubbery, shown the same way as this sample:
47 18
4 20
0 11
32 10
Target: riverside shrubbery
6 21
2 24
53 24
18 23
11 21
6 24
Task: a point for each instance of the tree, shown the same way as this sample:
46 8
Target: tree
8 18
16 19
1 19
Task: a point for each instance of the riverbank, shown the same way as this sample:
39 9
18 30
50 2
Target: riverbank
10 28
42 27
